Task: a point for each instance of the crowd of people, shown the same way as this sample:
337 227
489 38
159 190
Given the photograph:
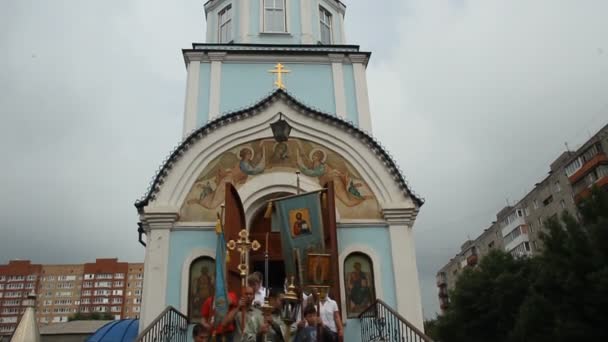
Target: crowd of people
245 321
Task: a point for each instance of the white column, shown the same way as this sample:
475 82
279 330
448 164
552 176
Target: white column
339 93
244 21
306 22
191 103
215 79
158 227
342 32
407 287
359 67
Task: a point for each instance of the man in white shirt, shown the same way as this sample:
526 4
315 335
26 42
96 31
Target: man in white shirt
255 281
330 316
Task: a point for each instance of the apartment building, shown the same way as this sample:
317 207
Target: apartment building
471 252
103 287
589 166
518 226
17 279
63 290
135 283
59 292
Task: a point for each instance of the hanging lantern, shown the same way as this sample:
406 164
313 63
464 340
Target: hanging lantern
280 129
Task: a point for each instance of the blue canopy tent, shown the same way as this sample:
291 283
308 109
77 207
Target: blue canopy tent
124 330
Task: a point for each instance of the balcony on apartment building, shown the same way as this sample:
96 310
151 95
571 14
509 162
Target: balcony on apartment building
514 220
442 279
516 237
443 292
589 168
469 257
443 303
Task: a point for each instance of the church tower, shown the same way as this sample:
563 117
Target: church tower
246 38
269 61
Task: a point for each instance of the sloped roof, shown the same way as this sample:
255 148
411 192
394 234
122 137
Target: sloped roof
73 327
240 114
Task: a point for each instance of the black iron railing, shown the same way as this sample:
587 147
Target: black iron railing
379 322
170 326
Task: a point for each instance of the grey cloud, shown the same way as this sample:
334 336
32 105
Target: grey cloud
474 98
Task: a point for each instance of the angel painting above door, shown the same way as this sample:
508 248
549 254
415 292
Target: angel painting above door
237 165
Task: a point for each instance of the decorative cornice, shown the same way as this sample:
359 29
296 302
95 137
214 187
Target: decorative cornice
400 216
242 114
362 224
216 56
275 48
359 58
159 220
336 57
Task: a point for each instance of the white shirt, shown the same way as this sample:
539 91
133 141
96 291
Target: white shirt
259 296
328 308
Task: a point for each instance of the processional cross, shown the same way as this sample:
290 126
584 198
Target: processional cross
243 245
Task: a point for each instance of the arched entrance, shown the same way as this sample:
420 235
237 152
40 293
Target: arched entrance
258 228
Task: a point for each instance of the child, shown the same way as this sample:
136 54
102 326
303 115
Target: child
200 333
307 329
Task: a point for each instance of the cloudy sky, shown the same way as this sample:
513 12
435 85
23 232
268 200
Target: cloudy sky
480 97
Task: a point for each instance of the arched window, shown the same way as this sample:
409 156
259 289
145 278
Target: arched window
201 285
359 281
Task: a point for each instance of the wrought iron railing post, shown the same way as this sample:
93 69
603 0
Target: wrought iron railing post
170 325
379 322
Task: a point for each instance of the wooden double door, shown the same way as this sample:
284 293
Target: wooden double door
260 226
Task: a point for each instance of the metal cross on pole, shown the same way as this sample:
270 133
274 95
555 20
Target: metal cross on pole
243 245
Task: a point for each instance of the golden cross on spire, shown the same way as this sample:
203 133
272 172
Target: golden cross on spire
279 69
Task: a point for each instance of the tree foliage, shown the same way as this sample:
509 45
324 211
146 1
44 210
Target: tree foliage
559 295
94 316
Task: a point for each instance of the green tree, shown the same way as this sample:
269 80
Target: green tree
568 297
559 295
95 316
486 300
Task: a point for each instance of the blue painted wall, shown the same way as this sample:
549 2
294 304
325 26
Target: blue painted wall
243 85
203 94
181 243
378 240
352 112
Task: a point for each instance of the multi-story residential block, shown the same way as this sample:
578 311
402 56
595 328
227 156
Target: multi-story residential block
569 181
470 254
59 292
63 290
17 279
103 287
589 166
135 281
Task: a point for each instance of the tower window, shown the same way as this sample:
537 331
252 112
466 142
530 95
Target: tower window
325 18
274 16
225 24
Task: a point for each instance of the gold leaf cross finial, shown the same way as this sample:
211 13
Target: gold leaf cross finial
279 70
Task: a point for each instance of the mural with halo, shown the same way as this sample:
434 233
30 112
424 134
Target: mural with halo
354 198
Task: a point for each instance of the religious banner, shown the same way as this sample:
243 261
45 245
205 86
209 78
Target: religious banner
300 222
220 301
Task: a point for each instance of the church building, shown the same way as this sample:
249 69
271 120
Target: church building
277 103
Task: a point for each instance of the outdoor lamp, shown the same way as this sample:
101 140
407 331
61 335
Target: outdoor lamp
280 129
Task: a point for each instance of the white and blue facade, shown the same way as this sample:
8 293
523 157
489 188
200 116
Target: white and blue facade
231 100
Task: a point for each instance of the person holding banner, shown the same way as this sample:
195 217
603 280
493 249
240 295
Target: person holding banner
220 332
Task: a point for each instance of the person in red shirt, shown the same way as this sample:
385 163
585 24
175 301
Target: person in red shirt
208 314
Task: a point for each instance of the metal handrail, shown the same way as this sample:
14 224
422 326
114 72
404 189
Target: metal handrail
169 325
380 322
